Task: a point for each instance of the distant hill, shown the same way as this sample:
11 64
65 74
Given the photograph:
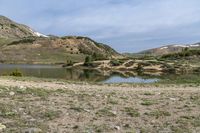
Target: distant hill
21 44
170 49
191 55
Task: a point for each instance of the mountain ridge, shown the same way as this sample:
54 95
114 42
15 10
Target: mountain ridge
168 49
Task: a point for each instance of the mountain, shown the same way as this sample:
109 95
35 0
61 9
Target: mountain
170 49
21 44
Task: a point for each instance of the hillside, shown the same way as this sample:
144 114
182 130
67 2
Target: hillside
188 54
21 44
11 29
170 49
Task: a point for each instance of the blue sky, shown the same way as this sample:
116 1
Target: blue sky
126 25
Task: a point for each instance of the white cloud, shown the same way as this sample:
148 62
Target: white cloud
136 19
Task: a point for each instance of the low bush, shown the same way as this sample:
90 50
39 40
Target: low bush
96 57
16 73
24 40
88 61
140 68
116 62
69 63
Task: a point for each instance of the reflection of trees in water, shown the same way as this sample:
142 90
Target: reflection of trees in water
99 75
84 75
92 75
89 74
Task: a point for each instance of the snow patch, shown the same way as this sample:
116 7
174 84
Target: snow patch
164 48
38 34
194 45
184 46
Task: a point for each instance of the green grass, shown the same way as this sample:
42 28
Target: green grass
7 111
181 79
20 92
158 114
148 102
106 112
148 94
42 93
50 114
132 112
183 122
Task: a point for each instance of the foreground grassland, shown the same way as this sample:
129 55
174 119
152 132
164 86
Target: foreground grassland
57 106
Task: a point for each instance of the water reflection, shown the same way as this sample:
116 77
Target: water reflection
57 72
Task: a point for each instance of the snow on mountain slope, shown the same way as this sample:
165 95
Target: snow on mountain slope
37 33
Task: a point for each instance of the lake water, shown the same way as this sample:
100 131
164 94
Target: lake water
118 79
57 72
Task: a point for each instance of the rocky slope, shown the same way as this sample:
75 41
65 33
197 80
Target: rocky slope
21 44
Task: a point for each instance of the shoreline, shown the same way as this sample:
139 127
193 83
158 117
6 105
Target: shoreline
33 82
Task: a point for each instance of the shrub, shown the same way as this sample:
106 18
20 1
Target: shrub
148 102
13 26
16 73
130 63
158 114
139 68
88 61
22 41
96 57
116 62
69 63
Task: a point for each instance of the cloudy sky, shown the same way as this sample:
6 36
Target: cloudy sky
126 25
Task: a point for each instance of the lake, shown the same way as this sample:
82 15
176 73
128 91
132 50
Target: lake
57 72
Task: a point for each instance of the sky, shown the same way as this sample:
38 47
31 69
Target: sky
125 25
